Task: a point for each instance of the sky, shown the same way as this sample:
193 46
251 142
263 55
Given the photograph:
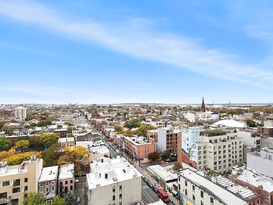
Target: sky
156 51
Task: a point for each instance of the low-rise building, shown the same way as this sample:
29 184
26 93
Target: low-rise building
66 179
19 180
67 141
113 181
258 183
261 162
195 189
48 182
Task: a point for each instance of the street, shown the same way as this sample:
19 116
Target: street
148 194
80 189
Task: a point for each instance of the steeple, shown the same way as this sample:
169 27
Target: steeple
203 108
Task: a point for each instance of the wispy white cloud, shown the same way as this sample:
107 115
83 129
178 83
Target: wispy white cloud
179 51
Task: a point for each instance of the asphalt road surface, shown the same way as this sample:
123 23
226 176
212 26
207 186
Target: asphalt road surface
147 194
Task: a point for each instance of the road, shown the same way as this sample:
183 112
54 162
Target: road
80 189
147 194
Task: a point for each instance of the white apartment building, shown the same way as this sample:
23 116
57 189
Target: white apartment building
66 179
19 180
261 162
48 182
220 153
197 190
20 113
113 181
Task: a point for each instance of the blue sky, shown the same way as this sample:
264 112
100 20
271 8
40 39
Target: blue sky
165 51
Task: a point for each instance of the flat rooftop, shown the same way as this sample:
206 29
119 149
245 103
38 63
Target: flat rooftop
109 171
166 173
215 190
49 173
66 171
256 180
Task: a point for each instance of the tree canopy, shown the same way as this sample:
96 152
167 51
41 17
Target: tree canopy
49 139
22 144
39 199
154 156
5 144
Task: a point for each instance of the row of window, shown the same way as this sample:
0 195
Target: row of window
16 182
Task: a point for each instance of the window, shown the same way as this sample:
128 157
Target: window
26 188
16 182
25 195
120 196
3 195
120 187
202 203
6 183
66 182
41 190
186 192
71 188
52 188
114 189
202 194
41 184
193 188
193 197
186 183
120 203
211 200
47 183
26 180
47 189
52 182
14 202
16 190
71 181
114 197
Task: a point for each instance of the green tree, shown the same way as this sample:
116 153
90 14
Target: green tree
35 198
5 144
128 133
154 156
2 125
58 201
52 154
70 199
69 130
22 144
44 123
35 143
165 154
134 123
49 139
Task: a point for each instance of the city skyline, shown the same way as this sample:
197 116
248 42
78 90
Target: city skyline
129 52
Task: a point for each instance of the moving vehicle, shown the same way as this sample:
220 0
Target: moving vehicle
163 196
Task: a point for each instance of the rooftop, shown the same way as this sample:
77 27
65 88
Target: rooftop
66 171
165 173
245 193
221 194
49 174
256 180
65 139
109 171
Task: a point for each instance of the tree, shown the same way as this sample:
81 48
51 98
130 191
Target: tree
177 166
69 130
128 133
2 125
35 198
35 143
165 154
39 199
22 144
69 123
20 157
251 123
70 199
133 123
44 123
74 155
142 130
49 139
5 144
6 154
154 156
52 154
117 128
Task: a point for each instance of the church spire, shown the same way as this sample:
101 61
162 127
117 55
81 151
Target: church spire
203 108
